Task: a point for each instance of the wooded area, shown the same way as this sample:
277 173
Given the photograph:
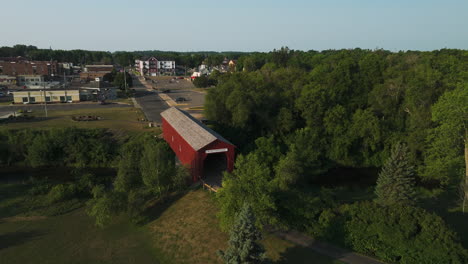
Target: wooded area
299 116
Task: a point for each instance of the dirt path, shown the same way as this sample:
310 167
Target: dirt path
325 249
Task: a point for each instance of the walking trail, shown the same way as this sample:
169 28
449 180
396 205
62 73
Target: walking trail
340 254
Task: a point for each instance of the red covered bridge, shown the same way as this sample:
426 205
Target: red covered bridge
204 151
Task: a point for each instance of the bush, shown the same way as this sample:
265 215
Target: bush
108 204
61 192
400 234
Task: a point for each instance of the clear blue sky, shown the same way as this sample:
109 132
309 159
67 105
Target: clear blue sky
240 25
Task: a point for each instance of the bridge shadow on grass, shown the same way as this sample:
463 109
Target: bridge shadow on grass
158 207
17 238
299 255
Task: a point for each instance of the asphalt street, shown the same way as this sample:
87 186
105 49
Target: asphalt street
151 104
66 106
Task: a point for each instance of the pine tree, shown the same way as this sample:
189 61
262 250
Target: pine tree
243 245
395 184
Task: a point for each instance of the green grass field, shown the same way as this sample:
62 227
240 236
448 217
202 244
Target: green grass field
117 118
188 230
183 229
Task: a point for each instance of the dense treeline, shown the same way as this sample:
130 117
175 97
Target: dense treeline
346 108
139 169
146 172
65 147
297 115
123 58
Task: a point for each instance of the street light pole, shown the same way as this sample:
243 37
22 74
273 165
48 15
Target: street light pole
125 79
45 101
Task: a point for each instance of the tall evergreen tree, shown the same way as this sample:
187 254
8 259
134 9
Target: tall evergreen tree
395 184
243 245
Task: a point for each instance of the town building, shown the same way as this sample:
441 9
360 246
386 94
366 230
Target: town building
195 145
93 72
166 67
25 80
46 95
7 80
14 66
155 67
147 66
91 91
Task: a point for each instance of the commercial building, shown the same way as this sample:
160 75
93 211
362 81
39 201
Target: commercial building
93 72
46 95
25 80
7 80
14 66
92 91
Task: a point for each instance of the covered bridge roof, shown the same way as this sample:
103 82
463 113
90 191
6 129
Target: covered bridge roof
193 131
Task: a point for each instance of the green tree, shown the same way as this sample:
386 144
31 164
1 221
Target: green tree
201 82
157 165
105 205
448 141
243 241
119 80
395 184
252 183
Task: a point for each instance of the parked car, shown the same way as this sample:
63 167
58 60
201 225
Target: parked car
180 99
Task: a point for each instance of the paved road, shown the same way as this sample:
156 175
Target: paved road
149 102
194 99
36 107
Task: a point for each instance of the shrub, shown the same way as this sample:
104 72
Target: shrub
61 192
399 234
106 206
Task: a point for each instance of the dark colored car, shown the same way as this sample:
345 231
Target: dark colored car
180 99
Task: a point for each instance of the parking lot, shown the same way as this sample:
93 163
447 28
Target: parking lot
181 91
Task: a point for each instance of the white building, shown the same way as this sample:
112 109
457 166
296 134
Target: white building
154 67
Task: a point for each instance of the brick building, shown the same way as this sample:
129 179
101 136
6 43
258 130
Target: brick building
22 66
91 72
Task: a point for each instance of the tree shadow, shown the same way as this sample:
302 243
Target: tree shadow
156 209
457 221
16 238
304 255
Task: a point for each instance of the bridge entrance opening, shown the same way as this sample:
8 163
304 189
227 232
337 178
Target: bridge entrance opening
213 167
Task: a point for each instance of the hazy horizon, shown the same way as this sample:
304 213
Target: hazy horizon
244 26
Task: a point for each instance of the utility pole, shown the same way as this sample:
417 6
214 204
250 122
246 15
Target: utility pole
45 100
125 79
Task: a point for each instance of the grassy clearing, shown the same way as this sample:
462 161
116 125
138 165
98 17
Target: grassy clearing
189 231
113 118
73 238
183 229
28 235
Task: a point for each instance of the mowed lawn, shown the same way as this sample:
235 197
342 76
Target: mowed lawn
184 229
29 234
188 230
115 118
73 238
